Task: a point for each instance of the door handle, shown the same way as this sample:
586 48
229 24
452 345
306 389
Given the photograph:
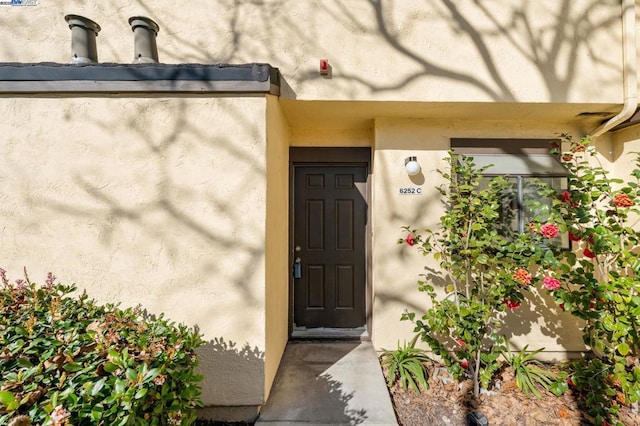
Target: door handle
297 268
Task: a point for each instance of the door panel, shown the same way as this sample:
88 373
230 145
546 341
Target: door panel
329 230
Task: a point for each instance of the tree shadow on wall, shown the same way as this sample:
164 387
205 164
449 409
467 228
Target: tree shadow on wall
569 34
233 375
541 310
553 50
163 210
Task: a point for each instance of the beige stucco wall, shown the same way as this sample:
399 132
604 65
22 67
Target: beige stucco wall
547 50
148 201
624 145
277 241
396 268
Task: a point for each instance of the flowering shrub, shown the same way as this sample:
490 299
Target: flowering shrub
488 272
66 360
599 280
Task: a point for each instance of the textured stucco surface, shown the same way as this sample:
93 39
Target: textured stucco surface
622 151
147 201
277 241
444 50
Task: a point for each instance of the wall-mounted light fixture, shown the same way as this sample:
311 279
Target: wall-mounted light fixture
411 166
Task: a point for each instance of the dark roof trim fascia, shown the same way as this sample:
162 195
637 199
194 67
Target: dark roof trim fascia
502 145
49 78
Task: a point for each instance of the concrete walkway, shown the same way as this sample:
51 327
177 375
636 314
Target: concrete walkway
328 383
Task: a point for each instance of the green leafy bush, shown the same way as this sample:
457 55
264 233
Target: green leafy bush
406 364
598 280
67 360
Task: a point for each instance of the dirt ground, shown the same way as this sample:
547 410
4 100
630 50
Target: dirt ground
448 403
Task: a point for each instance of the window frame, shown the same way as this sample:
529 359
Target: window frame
517 148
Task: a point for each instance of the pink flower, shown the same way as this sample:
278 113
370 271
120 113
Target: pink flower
60 416
511 304
160 379
20 285
549 230
551 283
460 342
3 276
566 197
588 253
50 279
464 363
411 239
175 418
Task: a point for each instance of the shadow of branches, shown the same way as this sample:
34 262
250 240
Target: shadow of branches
554 49
163 207
474 44
233 374
320 372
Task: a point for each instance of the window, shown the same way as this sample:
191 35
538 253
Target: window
524 166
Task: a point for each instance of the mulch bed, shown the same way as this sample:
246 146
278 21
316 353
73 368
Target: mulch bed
447 402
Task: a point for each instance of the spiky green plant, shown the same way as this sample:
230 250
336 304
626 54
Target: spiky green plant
529 371
407 365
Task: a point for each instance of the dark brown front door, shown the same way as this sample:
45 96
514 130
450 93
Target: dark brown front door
329 238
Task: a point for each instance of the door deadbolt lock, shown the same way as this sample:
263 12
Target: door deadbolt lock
297 268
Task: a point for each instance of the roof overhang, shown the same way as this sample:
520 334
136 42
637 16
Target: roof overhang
53 78
362 114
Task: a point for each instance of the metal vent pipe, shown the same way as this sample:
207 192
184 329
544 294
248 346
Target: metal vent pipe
83 39
145 31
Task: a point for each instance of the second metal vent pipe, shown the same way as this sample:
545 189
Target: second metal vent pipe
145 31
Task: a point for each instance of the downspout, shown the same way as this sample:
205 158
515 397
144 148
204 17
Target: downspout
629 69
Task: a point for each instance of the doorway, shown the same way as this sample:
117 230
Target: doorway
329 242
